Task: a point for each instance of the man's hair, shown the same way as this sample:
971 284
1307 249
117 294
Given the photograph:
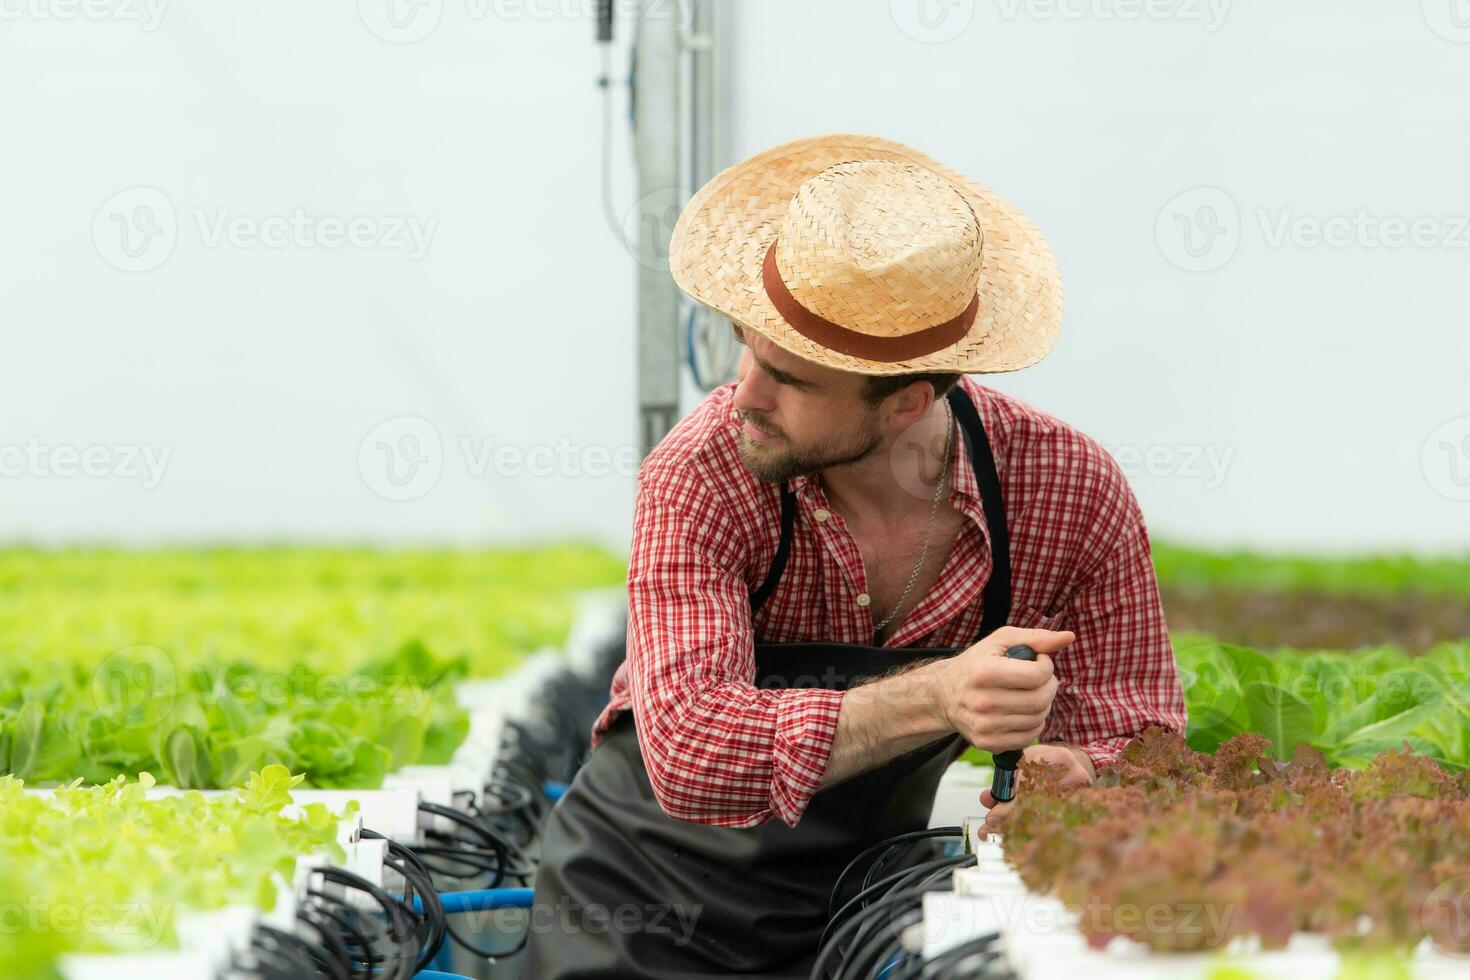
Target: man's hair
881 386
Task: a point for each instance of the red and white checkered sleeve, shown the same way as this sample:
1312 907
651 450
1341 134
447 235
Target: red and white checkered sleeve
1120 676
718 749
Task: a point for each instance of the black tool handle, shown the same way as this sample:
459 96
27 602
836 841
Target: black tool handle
1003 788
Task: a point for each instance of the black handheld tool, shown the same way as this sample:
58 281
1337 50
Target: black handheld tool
1003 788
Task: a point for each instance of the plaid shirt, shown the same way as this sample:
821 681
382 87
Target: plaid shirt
705 531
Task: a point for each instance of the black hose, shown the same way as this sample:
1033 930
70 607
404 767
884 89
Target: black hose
909 882
830 947
859 901
877 948
883 845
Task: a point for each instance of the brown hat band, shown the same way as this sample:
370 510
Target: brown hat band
854 343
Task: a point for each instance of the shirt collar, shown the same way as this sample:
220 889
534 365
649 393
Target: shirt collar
964 489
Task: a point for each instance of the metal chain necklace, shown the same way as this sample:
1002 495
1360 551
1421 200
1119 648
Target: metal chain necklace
933 510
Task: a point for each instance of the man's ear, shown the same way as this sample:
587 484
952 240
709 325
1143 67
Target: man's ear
910 403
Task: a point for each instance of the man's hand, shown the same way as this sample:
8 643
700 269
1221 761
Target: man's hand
994 702
997 703
1077 771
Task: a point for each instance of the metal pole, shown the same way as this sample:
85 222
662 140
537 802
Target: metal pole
704 114
660 196
713 352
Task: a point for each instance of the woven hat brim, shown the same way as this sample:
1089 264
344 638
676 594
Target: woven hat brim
723 234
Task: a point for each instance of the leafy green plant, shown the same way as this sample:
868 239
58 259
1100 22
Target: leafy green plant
1352 707
330 610
210 725
1182 567
104 868
203 666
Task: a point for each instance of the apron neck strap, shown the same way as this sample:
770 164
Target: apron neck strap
783 550
997 596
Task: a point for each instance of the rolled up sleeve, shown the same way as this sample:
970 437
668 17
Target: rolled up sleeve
718 749
1120 676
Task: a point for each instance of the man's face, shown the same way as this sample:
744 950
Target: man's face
798 417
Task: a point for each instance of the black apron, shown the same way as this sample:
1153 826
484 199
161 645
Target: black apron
624 890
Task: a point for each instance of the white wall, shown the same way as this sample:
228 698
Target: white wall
1319 373
262 369
1313 377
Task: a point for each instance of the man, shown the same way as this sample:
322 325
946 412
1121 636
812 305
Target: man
829 559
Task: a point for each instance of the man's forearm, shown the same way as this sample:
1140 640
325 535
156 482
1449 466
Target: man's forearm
883 719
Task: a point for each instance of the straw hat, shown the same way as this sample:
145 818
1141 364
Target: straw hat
862 254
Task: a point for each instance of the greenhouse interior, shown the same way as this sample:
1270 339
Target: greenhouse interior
574 489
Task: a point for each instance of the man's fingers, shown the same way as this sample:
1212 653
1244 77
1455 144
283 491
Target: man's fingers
1020 675
1012 725
1076 777
1042 641
993 810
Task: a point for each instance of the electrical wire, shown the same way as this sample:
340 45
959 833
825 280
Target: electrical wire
296 952
888 852
361 948
880 891
426 924
333 946
877 948
484 851
882 846
831 948
913 882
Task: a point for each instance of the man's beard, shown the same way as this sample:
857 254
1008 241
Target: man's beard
774 464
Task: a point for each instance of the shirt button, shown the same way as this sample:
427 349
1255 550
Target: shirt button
863 599
821 514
